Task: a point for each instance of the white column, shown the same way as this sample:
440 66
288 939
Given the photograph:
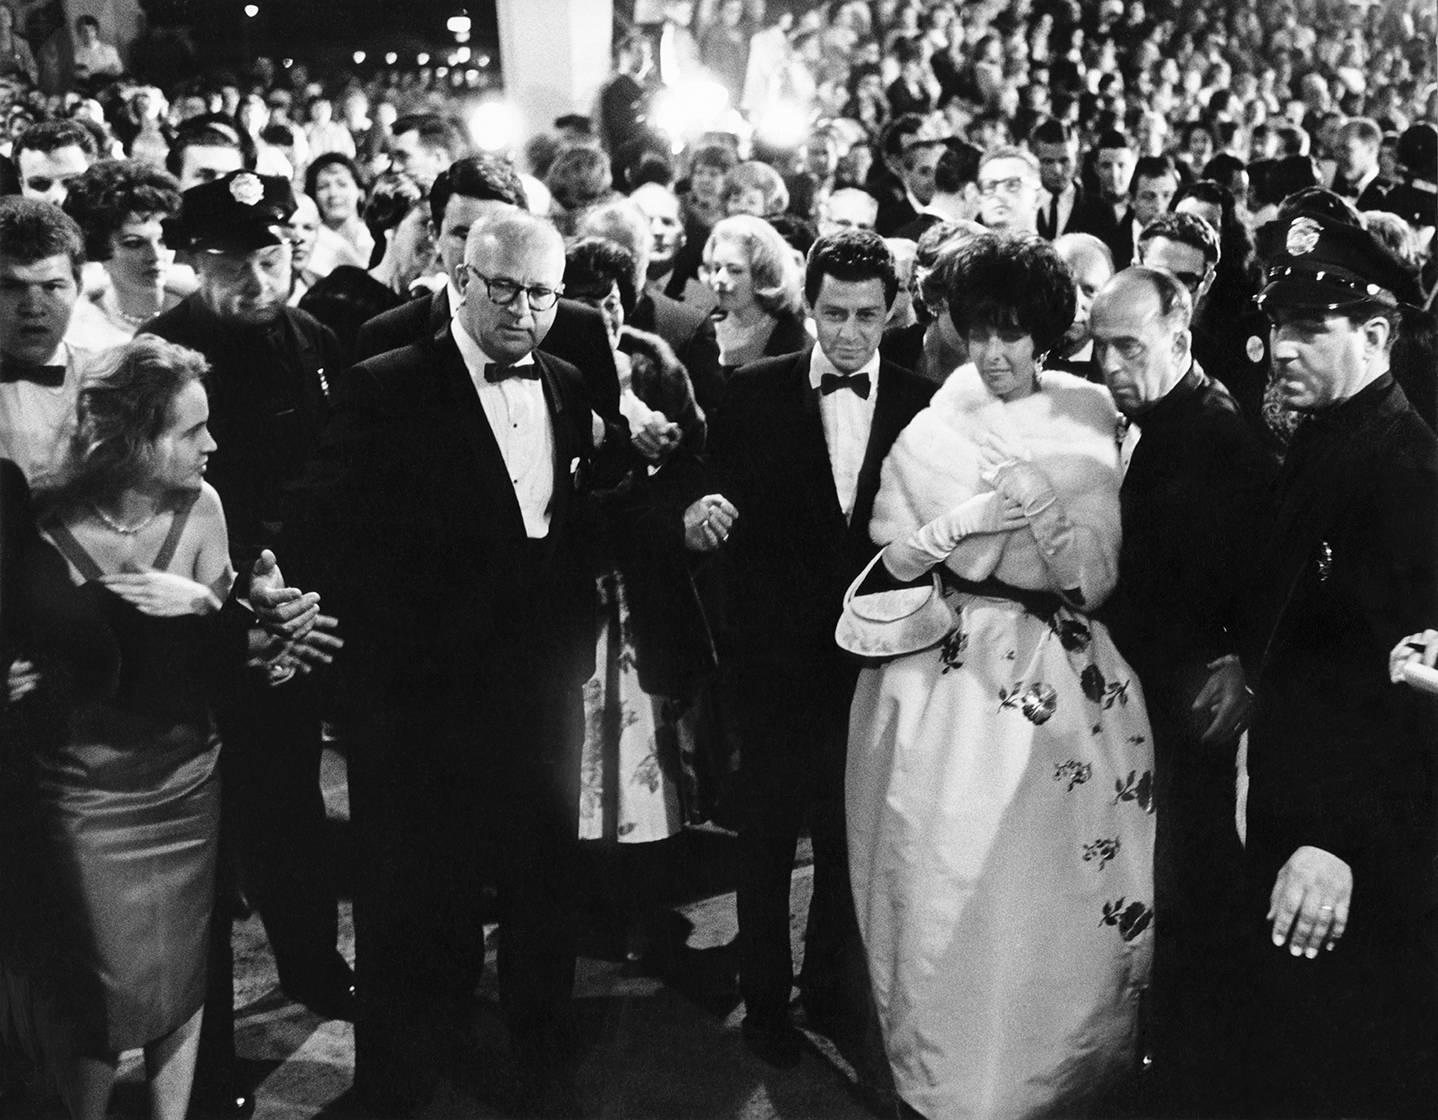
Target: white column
555 55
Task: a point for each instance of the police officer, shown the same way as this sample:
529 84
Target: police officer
1341 814
269 369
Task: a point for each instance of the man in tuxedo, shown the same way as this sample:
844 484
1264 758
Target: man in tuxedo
441 519
1194 498
1188 247
1064 206
1151 191
1113 163
467 191
41 253
795 453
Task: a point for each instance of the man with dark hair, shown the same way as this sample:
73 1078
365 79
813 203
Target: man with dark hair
794 455
1194 498
1339 920
423 145
207 148
1189 248
93 58
469 190
956 190
270 368
1151 191
902 179
1064 206
41 254
48 155
1113 160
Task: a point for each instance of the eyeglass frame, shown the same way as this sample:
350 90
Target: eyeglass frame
540 297
1010 185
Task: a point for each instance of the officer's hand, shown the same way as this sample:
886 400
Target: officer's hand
1309 903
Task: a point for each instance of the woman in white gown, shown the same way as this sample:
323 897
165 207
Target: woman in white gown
1000 765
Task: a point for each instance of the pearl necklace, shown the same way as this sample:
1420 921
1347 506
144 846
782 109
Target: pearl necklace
110 304
119 527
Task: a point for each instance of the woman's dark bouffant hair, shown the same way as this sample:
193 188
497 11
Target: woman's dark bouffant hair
334 159
122 410
1011 283
592 264
103 196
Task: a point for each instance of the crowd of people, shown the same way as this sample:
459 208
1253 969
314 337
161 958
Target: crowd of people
1021 477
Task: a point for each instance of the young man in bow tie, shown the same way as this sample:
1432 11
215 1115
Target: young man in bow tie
794 455
41 252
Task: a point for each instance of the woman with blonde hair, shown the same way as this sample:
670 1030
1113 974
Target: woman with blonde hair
756 279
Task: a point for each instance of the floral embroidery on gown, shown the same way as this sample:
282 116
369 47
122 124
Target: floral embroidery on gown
999 795
632 739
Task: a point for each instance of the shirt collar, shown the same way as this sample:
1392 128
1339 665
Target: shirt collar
819 365
475 359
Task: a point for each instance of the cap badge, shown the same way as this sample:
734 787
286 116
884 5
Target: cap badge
247 190
1303 236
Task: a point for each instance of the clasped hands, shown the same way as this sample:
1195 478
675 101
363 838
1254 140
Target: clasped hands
708 523
1010 471
303 638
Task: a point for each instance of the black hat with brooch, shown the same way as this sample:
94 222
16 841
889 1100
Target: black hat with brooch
1319 263
238 213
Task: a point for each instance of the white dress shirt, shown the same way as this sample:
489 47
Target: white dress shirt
36 420
519 418
1066 197
847 419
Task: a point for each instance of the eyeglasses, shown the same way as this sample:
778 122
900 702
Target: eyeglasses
503 291
1008 186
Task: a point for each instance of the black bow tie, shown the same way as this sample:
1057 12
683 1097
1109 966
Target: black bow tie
496 373
50 376
832 382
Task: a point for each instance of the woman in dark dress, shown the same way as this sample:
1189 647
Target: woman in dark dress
125 801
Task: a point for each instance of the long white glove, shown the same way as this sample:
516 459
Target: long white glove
910 557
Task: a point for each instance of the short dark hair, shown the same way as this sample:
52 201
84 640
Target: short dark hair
1152 167
1111 138
332 159
50 136
31 230
213 130
1187 229
592 264
851 254
957 167
1012 282
110 191
434 131
87 20
1051 130
485 177
894 139
392 197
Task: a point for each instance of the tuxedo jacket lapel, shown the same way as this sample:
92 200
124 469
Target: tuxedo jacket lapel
814 443
564 446
890 416
491 476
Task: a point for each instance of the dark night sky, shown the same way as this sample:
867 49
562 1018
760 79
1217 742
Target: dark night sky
345 24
